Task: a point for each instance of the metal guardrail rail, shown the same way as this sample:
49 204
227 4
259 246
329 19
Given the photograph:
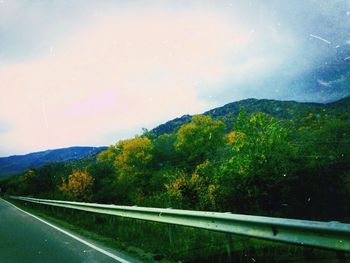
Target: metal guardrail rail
329 235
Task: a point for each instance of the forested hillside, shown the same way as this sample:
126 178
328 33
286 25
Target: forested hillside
275 108
255 156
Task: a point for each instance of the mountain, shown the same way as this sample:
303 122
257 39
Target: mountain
276 108
19 163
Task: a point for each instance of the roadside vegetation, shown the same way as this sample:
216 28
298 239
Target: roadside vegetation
261 165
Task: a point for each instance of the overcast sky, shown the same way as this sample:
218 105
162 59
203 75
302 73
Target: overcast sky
93 72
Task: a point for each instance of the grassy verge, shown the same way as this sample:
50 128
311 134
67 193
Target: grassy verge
156 242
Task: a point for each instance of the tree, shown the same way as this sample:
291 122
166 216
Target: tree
200 139
78 186
323 159
109 154
134 155
163 150
184 191
104 175
257 166
133 166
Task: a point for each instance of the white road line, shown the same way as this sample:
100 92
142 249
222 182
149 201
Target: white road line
73 236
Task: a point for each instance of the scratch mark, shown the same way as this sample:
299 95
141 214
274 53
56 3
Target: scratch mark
320 38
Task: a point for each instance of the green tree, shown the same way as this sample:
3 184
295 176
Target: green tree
257 166
200 139
104 176
323 159
164 150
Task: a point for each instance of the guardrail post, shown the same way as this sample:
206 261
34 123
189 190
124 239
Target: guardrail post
229 246
111 220
134 227
170 234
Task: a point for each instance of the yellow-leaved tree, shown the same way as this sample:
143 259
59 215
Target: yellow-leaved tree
134 155
132 166
78 186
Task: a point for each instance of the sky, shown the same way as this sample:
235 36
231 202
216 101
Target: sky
94 72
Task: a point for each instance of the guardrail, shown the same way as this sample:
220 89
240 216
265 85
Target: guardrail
329 235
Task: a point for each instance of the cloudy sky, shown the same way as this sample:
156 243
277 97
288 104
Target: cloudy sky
93 72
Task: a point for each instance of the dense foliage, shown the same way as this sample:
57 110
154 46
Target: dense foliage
260 164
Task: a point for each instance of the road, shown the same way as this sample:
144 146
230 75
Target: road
26 239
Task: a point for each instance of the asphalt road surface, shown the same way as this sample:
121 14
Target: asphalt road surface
24 238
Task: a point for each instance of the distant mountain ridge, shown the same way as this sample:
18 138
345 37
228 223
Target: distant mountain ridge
276 108
19 163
